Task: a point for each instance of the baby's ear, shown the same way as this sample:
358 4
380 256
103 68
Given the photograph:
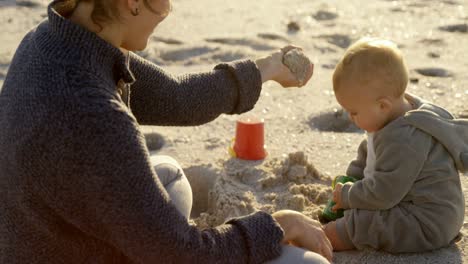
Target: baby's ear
385 104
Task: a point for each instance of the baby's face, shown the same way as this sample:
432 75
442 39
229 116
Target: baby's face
364 108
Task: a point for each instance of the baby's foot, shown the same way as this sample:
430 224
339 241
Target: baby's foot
332 234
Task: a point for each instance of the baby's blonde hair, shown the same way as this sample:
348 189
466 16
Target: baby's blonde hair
374 63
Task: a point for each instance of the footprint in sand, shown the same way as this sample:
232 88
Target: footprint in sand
339 40
272 36
293 27
328 66
168 41
398 9
434 72
331 65
227 56
186 53
451 2
214 142
413 79
433 41
421 4
433 55
201 55
325 49
334 120
252 43
28 3
456 28
154 141
323 15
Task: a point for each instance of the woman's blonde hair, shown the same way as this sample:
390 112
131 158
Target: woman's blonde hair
372 61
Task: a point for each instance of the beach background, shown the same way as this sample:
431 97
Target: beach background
309 139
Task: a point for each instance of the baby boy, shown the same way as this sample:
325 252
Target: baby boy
408 197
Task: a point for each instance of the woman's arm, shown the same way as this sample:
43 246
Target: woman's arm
96 174
158 98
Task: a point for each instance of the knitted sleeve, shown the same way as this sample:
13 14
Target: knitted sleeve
95 173
158 98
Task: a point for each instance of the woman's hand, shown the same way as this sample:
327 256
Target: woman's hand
337 196
302 231
272 68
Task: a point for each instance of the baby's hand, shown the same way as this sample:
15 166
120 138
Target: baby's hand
337 196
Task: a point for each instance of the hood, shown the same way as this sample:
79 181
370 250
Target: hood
440 124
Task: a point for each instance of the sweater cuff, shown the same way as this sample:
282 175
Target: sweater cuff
249 83
262 234
345 195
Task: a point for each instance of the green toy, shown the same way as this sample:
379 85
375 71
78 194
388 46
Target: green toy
328 214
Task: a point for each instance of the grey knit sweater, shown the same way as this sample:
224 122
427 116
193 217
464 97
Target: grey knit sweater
76 183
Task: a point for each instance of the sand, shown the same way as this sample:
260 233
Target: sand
243 187
298 63
308 137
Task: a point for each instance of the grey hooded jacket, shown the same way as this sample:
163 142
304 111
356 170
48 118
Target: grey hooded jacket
413 200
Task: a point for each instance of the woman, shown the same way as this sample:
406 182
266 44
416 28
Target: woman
77 182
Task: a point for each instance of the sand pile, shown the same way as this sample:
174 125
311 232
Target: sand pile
243 187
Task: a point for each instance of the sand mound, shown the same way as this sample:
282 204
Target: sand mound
244 187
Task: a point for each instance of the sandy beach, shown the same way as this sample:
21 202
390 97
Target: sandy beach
308 137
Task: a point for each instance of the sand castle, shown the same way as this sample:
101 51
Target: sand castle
243 187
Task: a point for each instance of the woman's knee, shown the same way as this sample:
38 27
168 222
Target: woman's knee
167 169
172 177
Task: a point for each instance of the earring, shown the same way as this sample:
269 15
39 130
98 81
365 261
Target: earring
135 12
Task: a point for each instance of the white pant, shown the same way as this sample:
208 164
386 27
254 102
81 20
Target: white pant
174 180
177 185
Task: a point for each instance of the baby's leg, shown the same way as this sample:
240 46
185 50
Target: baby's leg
400 229
337 243
174 180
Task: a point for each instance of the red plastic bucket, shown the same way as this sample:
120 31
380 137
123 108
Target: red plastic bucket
249 140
